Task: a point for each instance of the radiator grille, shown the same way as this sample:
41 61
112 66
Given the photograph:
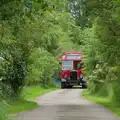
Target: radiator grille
73 75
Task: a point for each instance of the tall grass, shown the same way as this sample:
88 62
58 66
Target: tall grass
3 113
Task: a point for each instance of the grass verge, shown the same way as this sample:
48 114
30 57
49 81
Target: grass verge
29 93
105 101
22 105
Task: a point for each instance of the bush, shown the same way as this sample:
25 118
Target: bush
116 87
100 80
3 114
42 66
12 73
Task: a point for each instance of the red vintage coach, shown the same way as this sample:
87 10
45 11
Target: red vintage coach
71 70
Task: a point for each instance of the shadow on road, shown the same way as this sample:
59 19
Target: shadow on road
75 87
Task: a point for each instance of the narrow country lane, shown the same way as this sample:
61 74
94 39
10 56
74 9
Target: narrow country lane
66 104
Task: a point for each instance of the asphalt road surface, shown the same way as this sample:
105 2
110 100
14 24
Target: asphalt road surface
66 104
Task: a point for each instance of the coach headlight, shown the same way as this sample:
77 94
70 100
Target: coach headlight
63 80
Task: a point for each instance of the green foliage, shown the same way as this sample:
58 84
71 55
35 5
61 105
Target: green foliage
3 114
116 87
102 48
32 33
42 66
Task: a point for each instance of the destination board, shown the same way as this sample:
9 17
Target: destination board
73 57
